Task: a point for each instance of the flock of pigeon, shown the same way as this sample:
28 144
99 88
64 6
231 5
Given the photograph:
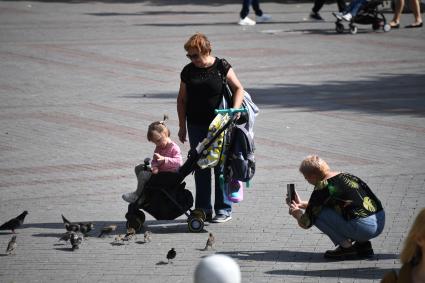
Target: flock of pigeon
75 233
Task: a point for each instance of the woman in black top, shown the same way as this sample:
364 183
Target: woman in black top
201 92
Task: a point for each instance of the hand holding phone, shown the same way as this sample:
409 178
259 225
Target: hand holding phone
290 192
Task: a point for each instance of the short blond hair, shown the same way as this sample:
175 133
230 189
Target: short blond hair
314 165
199 42
411 248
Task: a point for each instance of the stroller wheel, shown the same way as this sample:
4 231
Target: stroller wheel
198 213
339 28
353 29
387 27
195 225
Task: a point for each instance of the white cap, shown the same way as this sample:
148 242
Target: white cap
217 268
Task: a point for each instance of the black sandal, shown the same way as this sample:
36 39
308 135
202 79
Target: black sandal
414 25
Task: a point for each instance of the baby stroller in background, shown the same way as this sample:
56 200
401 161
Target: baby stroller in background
164 195
369 14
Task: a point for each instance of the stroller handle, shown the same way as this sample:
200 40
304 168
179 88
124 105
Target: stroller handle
231 111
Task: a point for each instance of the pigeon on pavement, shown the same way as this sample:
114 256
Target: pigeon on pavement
171 255
11 247
107 230
14 223
210 242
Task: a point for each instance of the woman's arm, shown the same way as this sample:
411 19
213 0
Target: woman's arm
181 111
237 89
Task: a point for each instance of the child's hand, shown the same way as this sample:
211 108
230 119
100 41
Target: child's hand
158 157
154 170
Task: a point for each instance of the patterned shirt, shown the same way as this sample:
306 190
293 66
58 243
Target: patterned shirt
348 195
173 158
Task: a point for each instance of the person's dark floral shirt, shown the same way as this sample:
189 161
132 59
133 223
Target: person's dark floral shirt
348 195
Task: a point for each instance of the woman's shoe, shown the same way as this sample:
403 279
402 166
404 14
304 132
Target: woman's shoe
414 25
394 25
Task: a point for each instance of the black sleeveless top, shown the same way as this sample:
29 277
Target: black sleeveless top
204 91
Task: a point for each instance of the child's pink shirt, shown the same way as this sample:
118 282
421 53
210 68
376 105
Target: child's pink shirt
173 158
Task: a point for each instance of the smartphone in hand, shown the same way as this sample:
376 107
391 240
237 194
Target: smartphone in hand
290 188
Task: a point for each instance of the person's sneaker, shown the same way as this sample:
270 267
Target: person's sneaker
263 18
221 218
129 197
347 17
364 249
338 15
316 16
341 253
246 22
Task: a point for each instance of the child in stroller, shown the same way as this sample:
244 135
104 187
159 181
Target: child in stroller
362 12
164 195
166 158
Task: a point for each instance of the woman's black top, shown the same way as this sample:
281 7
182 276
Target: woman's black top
204 88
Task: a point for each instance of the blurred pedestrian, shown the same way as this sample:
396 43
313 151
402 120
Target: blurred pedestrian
342 206
412 255
260 17
217 268
399 5
318 4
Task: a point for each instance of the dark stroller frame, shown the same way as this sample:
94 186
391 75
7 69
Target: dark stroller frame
196 217
367 15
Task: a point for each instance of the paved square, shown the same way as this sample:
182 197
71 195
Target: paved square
81 80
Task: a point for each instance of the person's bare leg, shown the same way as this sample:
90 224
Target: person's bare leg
399 5
416 12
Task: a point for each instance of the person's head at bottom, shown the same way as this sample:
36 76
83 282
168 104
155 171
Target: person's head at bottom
217 269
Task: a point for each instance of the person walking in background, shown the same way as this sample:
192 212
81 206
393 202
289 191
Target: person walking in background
342 206
412 255
260 17
318 4
201 92
399 5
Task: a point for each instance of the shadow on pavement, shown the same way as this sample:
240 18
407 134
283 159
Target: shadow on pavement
384 94
291 256
357 273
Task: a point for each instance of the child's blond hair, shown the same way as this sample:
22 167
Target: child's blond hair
314 165
159 127
411 249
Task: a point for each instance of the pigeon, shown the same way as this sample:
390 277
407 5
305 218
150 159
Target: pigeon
82 227
210 242
11 247
119 237
131 233
66 236
14 223
148 236
75 241
171 255
85 228
107 229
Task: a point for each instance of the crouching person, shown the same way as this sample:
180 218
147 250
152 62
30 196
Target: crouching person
342 206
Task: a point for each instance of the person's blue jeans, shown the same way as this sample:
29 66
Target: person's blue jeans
339 230
222 205
355 6
245 8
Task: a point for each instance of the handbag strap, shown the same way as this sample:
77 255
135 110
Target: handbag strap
227 91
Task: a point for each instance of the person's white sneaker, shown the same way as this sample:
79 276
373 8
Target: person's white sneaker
130 197
246 22
347 17
263 18
338 15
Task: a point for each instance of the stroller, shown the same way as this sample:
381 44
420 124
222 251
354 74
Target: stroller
369 14
164 195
